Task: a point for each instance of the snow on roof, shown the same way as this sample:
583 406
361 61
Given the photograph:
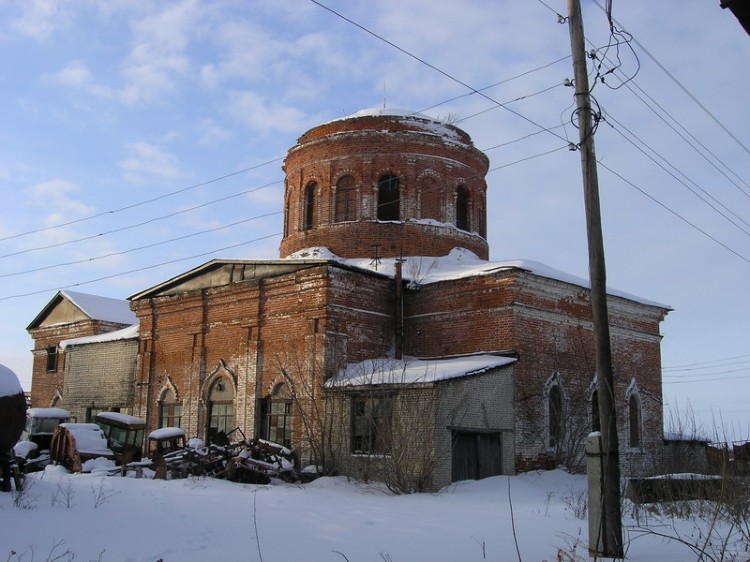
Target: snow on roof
459 264
166 433
58 413
131 332
419 120
411 370
102 308
122 418
9 384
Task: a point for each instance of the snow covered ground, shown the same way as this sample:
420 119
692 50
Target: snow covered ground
115 519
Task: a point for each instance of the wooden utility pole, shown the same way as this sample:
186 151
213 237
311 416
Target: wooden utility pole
608 541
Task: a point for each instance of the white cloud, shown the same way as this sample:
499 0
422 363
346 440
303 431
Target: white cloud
157 57
264 115
57 194
210 132
149 163
40 18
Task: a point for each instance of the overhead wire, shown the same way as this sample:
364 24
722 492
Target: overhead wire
138 248
432 66
683 88
139 203
139 269
684 183
673 212
142 223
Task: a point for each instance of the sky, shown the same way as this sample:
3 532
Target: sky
143 138
534 516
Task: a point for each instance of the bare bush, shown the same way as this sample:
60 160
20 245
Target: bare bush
63 495
102 494
23 498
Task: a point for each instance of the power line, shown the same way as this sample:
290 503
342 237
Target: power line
710 361
693 191
683 219
139 203
683 88
632 84
145 247
142 223
433 67
137 270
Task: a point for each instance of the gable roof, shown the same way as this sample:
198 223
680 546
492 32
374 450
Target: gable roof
222 272
95 307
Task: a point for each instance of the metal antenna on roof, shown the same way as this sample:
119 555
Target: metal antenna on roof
376 259
384 94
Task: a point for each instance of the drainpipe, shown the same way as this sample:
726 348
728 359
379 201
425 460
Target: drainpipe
399 310
151 363
202 367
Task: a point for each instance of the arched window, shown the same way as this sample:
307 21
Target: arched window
595 423
388 198
345 204
310 205
220 409
634 421
170 410
462 208
555 411
276 416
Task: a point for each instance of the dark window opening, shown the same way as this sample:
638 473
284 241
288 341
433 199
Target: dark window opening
371 425
345 204
310 205
388 198
634 415
555 416
462 208
595 423
52 359
276 417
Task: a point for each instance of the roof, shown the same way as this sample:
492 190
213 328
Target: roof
129 333
413 370
462 263
221 272
121 418
48 413
96 307
420 270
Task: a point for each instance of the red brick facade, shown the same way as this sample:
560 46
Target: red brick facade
231 340
433 164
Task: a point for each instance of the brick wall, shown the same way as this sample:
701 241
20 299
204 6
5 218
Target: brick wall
429 169
100 376
547 322
46 385
304 323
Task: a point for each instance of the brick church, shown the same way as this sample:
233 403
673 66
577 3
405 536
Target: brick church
382 343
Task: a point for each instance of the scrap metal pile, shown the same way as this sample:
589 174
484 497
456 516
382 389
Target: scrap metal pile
251 461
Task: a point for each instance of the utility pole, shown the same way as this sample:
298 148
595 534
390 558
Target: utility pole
608 541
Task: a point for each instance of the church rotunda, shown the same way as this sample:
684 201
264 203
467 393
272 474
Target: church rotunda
385 183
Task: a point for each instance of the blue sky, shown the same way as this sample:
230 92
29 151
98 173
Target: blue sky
142 138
